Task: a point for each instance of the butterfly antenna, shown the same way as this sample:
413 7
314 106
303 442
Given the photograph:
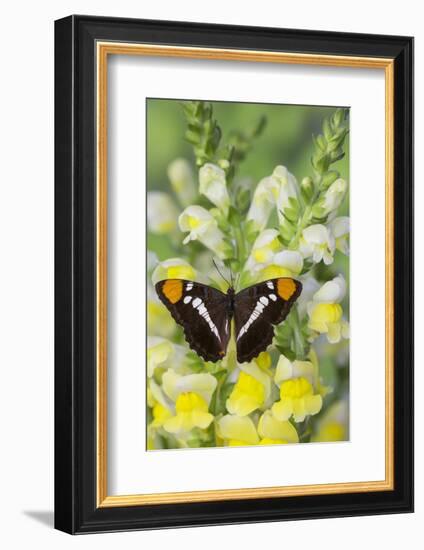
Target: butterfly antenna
216 267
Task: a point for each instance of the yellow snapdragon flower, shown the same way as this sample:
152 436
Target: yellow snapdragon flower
237 431
297 399
160 415
264 248
326 313
159 321
159 351
173 268
191 412
276 432
251 390
287 263
334 423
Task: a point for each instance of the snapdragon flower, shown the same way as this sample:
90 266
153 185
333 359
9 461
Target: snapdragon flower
287 263
297 399
191 411
203 227
212 184
251 390
237 431
334 195
162 213
318 243
287 190
325 312
161 407
164 353
159 322
309 369
340 229
191 394
276 432
173 268
334 423
180 175
203 384
263 250
263 201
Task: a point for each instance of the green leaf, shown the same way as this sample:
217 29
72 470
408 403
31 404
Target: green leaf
291 214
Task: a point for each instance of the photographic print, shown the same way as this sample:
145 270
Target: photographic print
247 274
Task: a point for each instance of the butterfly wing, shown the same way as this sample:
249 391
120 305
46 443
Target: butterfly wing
202 311
257 309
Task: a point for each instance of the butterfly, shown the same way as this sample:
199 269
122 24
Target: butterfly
205 314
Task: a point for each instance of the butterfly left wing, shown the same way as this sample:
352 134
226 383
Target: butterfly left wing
202 311
257 309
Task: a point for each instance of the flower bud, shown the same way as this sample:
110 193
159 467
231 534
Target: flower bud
181 177
213 186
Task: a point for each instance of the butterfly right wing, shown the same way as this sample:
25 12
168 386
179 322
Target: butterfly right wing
257 309
202 311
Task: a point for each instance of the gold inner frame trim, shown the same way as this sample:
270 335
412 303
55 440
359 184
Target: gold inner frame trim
104 49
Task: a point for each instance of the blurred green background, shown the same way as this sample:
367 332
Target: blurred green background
287 138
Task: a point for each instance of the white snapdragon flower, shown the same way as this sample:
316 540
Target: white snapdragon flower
287 189
326 313
340 229
317 242
263 201
180 175
309 287
164 353
162 213
203 227
334 195
287 263
212 184
264 248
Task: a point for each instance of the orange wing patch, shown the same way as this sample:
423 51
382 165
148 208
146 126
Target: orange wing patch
173 290
286 288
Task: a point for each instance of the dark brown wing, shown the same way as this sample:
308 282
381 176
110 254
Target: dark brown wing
257 309
202 311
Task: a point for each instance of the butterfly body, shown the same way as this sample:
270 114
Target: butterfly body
205 314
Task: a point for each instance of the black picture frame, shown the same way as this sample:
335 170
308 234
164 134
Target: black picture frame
76 510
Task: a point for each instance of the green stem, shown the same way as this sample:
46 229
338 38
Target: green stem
299 342
306 217
240 242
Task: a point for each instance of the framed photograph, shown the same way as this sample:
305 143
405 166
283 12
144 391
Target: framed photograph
234 274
